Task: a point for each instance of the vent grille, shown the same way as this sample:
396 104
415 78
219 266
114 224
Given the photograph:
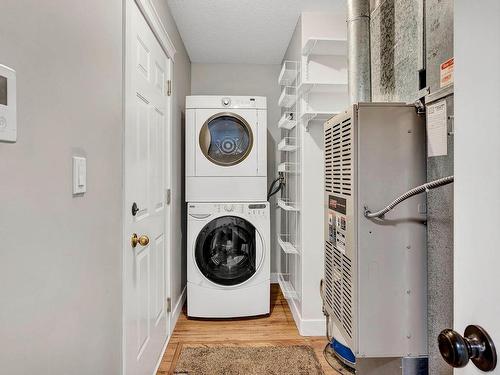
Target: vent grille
338 158
338 286
328 159
329 275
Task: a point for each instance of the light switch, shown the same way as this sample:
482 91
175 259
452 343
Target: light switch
79 175
8 109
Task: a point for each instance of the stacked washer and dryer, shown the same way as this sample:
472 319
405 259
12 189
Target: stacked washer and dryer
228 260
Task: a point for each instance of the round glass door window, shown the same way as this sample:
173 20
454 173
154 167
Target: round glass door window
225 250
226 139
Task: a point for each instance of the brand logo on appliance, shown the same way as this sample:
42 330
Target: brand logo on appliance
337 204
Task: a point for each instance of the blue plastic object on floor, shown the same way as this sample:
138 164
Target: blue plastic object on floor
344 353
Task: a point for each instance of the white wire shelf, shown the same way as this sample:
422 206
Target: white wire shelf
316 116
288 97
288 73
287 144
322 87
287 167
325 46
285 241
286 286
287 205
287 121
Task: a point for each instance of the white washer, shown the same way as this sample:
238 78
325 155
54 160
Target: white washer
226 148
228 260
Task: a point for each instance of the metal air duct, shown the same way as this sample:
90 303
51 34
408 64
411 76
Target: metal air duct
358 39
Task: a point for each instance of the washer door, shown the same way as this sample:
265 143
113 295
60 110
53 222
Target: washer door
226 139
226 250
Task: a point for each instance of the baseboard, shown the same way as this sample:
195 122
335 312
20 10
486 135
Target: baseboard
313 327
294 308
176 312
306 327
274 278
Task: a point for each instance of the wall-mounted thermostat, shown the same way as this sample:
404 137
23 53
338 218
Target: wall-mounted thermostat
8 110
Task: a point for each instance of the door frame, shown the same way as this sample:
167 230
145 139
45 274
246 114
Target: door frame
154 21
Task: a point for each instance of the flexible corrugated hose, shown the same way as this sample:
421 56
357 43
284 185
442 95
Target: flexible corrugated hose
410 193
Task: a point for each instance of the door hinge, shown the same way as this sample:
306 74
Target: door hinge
169 87
168 196
169 304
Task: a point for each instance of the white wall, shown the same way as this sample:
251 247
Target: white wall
247 79
181 88
60 256
477 178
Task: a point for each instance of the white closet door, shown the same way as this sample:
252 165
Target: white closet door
145 271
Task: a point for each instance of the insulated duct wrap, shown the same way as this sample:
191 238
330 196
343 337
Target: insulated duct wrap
358 39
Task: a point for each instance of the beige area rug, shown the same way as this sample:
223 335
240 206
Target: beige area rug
241 360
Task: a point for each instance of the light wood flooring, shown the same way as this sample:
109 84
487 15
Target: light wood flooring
276 329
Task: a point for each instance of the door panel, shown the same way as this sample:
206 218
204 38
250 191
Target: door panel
145 276
158 276
139 164
142 302
157 161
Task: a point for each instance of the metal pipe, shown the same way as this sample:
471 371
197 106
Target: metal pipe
358 39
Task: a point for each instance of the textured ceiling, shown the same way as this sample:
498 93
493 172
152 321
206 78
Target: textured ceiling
241 31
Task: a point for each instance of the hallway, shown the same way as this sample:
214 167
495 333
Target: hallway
276 329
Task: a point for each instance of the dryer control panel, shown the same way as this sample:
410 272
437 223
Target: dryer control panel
238 102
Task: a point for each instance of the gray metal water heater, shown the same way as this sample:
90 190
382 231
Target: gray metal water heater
375 288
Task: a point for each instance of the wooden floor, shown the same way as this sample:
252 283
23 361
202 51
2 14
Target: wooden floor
276 329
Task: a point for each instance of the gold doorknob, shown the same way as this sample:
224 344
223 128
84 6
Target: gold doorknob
142 240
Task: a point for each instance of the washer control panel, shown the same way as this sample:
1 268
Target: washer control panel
250 209
257 209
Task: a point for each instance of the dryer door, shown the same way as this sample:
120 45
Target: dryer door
228 250
226 142
226 139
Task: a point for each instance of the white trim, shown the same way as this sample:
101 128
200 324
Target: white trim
176 311
154 21
307 327
162 354
295 312
274 278
169 230
313 327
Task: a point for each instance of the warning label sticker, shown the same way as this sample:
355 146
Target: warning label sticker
447 72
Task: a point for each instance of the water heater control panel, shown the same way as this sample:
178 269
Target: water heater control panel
8 105
337 221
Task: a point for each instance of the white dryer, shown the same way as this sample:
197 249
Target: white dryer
226 148
228 260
